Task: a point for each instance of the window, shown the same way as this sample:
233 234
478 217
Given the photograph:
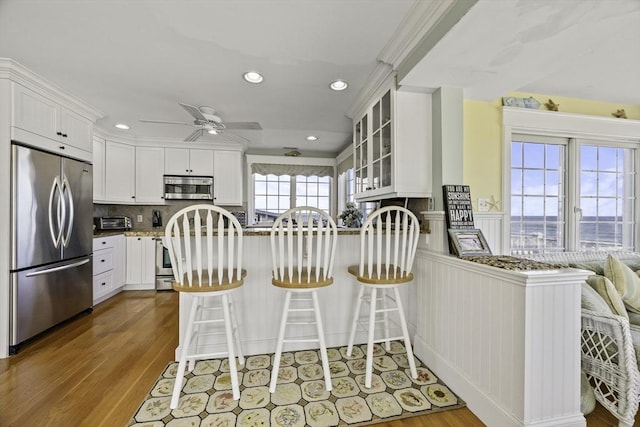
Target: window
274 194
568 194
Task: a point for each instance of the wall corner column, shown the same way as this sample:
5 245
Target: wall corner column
447 140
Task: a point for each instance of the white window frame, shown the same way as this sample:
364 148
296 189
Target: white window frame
564 125
311 161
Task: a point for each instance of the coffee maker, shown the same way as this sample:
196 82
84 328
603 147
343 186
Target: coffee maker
156 219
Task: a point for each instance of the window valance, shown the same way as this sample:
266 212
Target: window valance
304 170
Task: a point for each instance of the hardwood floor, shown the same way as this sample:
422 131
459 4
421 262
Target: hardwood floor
95 370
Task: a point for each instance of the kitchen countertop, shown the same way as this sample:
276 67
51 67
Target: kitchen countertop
159 232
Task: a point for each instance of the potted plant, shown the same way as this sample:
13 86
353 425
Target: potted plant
351 216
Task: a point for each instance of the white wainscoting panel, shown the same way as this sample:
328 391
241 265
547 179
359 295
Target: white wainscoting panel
259 303
507 342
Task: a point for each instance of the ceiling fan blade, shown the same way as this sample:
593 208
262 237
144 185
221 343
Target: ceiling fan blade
169 122
232 137
194 111
195 135
243 125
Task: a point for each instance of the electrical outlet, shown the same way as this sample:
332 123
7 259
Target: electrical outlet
483 205
139 218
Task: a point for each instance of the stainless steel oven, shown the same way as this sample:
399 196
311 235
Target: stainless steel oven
164 273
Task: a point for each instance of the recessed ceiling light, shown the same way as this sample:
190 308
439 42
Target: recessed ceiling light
253 77
312 138
338 85
122 126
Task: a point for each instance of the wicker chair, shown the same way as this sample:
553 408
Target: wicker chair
610 346
609 361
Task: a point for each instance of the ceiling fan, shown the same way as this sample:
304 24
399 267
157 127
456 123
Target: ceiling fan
205 120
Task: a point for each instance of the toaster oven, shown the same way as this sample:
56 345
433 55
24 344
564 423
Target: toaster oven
112 223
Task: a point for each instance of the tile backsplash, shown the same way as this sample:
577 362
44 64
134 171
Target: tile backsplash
132 211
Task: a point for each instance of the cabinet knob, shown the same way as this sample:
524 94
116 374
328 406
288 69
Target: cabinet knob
64 135
62 147
104 243
133 197
139 238
59 133
103 283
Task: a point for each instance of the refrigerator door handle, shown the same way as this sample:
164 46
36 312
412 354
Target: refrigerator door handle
59 268
66 189
56 237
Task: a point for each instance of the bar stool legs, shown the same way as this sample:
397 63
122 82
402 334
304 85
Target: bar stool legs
188 354
281 337
373 299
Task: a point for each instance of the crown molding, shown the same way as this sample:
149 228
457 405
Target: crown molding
14 71
418 22
165 142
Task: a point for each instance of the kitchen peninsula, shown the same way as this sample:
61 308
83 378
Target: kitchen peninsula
258 303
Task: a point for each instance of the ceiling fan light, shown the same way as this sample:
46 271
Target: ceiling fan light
253 77
312 138
212 131
338 85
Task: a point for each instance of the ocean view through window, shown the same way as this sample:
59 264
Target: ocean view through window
569 194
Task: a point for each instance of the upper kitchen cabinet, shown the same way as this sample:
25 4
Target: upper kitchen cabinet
188 161
149 182
43 122
227 180
119 173
392 145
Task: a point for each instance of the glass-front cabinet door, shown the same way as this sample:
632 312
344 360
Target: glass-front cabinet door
360 136
373 146
392 144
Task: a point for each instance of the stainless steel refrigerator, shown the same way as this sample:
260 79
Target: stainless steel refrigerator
51 241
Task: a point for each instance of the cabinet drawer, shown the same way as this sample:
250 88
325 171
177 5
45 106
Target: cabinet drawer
102 284
103 243
102 261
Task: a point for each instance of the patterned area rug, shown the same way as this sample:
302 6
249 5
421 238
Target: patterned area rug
300 398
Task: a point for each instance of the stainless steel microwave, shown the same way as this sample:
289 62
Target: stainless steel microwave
178 187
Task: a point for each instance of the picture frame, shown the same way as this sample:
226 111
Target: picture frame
468 242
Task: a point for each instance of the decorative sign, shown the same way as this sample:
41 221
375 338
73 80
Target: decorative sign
457 204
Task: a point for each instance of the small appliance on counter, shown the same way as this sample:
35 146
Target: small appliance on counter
104 223
156 219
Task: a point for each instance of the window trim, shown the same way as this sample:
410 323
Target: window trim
564 125
313 161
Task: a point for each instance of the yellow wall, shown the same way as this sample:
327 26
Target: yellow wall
482 150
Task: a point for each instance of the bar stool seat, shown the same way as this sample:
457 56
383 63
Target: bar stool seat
388 242
303 242
206 259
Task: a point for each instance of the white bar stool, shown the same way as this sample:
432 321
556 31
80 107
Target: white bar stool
206 258
388 241
303 242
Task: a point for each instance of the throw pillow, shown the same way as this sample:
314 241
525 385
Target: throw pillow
626 282
591 300
609 294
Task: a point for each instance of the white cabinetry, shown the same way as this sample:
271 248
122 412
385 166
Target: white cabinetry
119 168
108 268
188 161
98 169
141 258
227 181
149 171
42 122
392 146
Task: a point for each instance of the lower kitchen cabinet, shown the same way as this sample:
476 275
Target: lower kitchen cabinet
141 262
108 267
